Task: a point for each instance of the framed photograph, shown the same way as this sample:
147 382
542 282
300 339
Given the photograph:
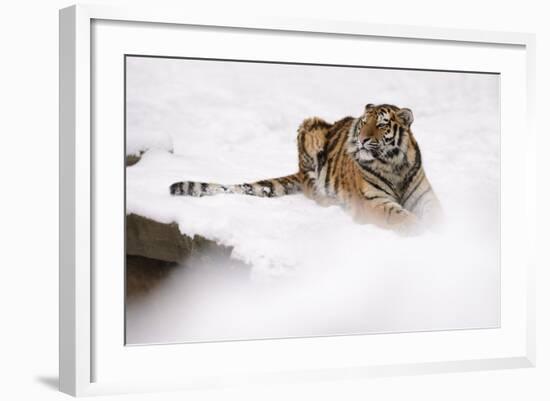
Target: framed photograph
275 200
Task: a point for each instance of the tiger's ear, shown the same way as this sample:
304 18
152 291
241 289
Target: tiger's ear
369 107
405 116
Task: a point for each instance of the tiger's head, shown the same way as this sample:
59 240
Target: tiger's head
382 133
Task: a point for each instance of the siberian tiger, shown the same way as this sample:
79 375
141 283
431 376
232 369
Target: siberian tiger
370 165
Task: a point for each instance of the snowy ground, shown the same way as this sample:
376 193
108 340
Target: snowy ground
236 122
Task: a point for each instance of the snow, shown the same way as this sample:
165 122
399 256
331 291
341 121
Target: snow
315 272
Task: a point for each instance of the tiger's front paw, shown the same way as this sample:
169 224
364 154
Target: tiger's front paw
408 224
325 201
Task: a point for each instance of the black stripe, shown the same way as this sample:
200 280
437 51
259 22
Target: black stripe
332 164
175 188
327 176
310 182
336 161
392 153
293 188
374 197
412 192
341 136
204 188
414 169
295 178
332 142
379 176
321 159
337 181
284 182
380 188
264 183
301 143
308 162
269 185
190 187
388 214
400 136
292 184
378 157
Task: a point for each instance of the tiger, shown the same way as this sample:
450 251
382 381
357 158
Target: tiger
370 165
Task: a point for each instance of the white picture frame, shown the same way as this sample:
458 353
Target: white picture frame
80 348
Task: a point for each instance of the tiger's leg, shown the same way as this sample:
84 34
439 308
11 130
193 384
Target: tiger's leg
421 200
312 140
380 209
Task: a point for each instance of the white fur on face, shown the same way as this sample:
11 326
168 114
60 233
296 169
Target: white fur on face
365 155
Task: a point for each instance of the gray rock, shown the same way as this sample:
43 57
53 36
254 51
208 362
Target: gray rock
154 240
